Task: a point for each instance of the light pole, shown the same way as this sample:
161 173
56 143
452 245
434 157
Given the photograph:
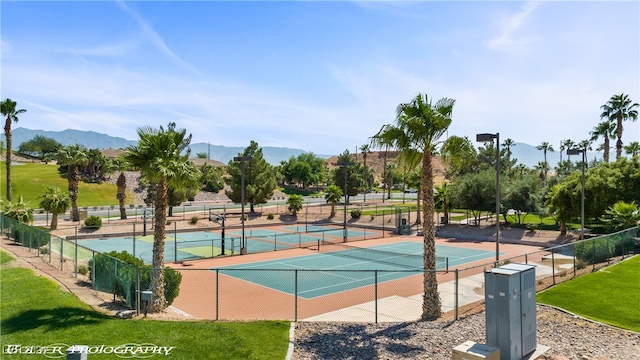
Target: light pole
489 138
583 152
242 160
345 165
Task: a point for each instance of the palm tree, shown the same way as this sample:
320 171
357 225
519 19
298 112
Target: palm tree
619 108
18 211
418 127
294 204
158 157
73 156
566 145
8 109
585 145
623 215
632 149
332 195
606 130
544 147
507 144
366 150
56 202
441 199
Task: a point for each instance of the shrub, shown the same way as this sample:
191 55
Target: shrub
83 269
532 227
356 213
94 222
581 264
270 216
194 220
115 272
44 250
168 222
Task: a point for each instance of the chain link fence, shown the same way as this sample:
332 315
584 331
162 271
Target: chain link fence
299 294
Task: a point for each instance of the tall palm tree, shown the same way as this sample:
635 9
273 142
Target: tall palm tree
366 150
158 157
619 108
507 144
585 145
606 130
566 145
544 147
418 127
56 202
632 149
380 141
73 156
8 109
332 195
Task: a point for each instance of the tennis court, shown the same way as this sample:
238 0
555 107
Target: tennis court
349 268
182 246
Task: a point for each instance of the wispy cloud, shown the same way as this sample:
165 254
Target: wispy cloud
156 40
509 36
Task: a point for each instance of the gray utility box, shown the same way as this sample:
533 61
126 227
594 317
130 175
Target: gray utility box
510 298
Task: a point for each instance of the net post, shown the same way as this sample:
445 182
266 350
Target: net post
295 315
375 276
218 286
456 293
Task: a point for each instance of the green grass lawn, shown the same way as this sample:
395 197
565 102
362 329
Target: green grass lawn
36 312
610 295
31 180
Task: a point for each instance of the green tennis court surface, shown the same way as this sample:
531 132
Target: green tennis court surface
325 273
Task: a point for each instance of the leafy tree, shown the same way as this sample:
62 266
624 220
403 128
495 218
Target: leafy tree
18 211
158 157
623 215
73 156
379 140
521 195
563 203
355 181
619 108
606 130
177 195
476 192
56 202
260 178
202 155
8 109
545 147
416 133
41 146
332 195
460 156
211 178
294 204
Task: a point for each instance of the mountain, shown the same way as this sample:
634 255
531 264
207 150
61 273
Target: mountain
94 140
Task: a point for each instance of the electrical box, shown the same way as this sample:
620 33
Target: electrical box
145 295
470 350
510 301
77 352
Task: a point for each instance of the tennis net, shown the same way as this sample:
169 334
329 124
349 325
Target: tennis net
404 260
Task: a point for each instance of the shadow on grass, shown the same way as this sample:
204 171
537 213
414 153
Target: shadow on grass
51 319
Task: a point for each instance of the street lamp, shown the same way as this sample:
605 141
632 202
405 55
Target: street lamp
344 165
242 160
489 138
583 152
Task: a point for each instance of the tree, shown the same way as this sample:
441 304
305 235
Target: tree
211 178
202 155
413 181
476 192
633 149
606 130
8 109
521 195
618 109
56 202
260 178
416 133
294 204
545 147
566 145
460 156
366 150
158 157
73 156
18 211
507 144
623 215
332 195
442 200
40 146
121 183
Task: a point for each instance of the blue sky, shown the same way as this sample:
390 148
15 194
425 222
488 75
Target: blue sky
318 76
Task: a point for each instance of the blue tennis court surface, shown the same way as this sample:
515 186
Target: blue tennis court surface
324 273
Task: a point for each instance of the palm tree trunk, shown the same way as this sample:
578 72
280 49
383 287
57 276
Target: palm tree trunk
431 305
7 134
333 210
122 188
619 133
158 301
73 192
54 221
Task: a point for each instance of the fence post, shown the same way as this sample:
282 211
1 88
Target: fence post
75 268
574 260
295 316
137 290
61 253
375 294
593 262
175 242
456 293
134 239
218 287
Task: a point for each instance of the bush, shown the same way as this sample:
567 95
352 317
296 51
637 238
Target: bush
270 216
83 269
356 213
115 272
168 222
194 220
94 222
581 264
532 227
44 250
